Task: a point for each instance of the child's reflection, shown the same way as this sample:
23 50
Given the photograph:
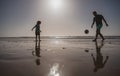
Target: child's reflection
37 53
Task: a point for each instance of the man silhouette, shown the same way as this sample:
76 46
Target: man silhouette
98 19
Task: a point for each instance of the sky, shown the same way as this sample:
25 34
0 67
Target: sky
59 17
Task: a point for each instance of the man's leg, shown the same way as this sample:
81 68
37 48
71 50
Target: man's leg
96 35
102 36
100 33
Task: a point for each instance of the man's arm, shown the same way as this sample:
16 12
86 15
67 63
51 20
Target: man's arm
105 21
93 22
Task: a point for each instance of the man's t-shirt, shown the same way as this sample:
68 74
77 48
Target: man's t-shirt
98 19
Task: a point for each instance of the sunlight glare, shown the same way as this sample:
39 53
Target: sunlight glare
56 42
56 4
54 70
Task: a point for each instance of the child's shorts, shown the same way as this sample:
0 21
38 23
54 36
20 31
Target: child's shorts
37 33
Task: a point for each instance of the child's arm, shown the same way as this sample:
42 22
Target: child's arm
33 27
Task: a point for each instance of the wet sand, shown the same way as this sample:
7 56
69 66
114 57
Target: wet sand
59 57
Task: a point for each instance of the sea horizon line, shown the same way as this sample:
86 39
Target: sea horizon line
66 37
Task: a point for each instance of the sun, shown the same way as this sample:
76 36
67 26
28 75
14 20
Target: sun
56 4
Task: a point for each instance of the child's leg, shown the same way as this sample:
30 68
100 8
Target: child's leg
39 38
36 38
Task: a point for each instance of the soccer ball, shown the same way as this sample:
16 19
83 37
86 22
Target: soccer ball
86 31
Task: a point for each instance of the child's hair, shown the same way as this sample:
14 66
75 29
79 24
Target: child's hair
38 22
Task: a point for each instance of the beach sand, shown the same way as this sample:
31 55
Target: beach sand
59 57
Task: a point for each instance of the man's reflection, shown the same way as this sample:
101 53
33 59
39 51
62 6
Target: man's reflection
99 62
37 52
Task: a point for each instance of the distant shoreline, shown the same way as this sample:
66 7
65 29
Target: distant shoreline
67 37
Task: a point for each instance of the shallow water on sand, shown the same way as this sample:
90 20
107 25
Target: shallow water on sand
59 57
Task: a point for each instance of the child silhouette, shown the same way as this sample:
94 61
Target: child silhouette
37 30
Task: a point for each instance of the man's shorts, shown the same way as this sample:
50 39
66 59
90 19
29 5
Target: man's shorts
99 26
